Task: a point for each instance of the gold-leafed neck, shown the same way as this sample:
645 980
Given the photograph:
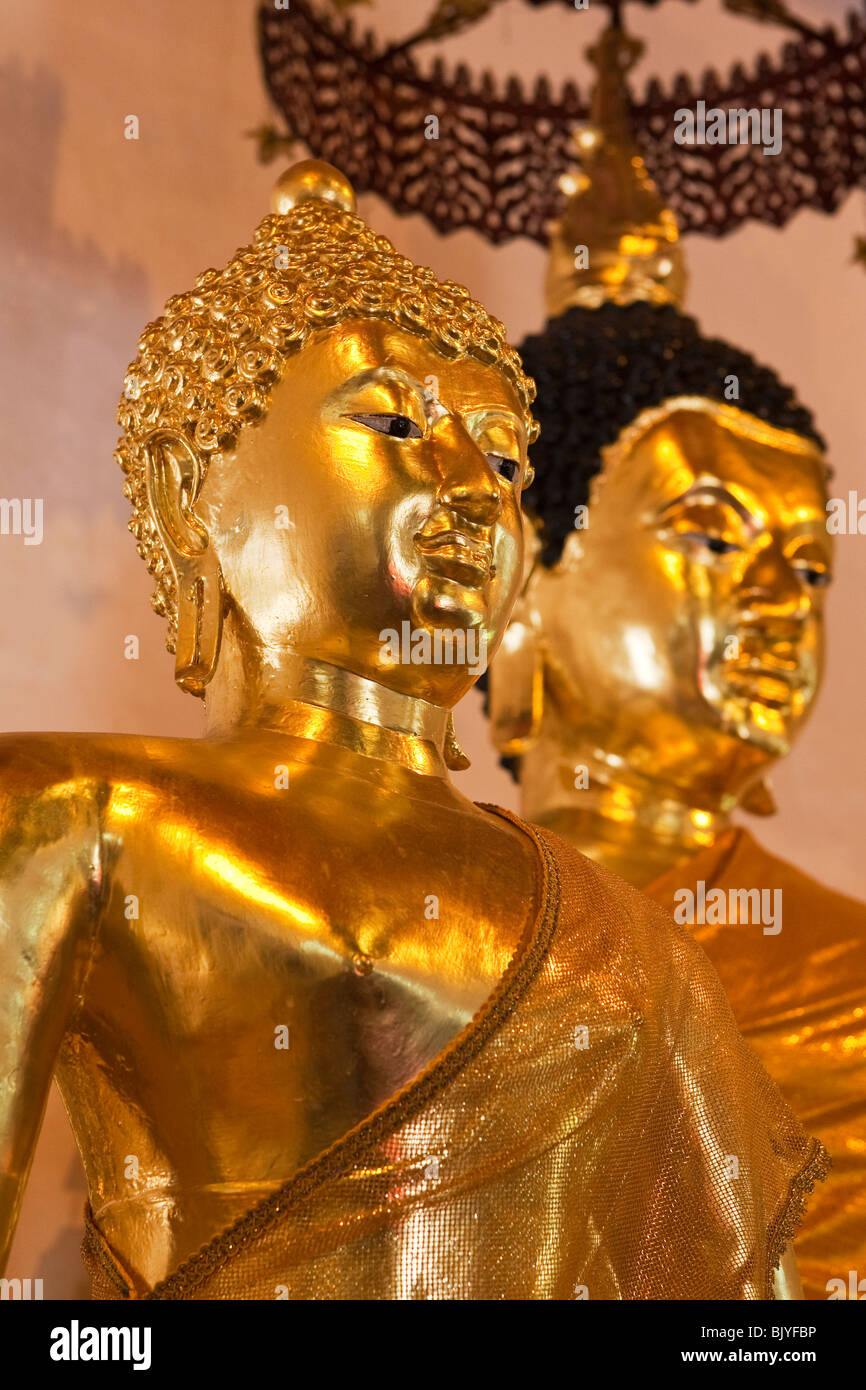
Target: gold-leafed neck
312 180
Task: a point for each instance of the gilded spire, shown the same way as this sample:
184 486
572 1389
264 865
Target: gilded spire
616 240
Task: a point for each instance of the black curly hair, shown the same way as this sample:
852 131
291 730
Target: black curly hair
597 369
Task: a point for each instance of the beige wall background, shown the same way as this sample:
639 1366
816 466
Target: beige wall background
98 231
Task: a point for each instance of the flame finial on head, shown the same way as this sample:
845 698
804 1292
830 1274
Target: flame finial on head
616 240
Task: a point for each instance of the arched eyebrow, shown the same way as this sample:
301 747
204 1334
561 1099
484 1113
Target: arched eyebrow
483 416
375 375
711 490
705 489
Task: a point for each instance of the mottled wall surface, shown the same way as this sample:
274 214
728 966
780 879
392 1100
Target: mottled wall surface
98 230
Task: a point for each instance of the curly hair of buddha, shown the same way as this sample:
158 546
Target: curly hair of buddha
207 366
596 370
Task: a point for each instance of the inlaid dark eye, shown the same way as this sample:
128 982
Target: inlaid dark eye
816 579
395 426
714 544
506 468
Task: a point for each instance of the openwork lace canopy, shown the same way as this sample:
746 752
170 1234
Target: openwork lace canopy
502 147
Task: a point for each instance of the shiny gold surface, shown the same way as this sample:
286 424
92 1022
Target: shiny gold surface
599 1130
312 180
800 1000
172 907
214 365
616 241
650 680
251 956
258 909
672 657
681 635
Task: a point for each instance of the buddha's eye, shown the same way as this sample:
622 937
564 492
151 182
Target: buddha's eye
815 578
505 467
395 426
714 544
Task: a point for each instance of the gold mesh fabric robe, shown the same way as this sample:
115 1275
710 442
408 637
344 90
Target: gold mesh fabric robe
800 999
599 1129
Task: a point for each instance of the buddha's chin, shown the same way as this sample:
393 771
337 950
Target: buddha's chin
764 725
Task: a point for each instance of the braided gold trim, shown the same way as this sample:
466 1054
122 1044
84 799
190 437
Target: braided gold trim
99 1251
781 1232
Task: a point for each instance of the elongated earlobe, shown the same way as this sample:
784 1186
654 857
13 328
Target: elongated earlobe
199 630
174 479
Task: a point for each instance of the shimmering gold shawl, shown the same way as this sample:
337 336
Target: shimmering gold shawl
800 999
598 1130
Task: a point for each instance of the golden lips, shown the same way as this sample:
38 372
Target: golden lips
772 669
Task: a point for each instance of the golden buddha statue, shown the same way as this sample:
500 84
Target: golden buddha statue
668 645
323 1027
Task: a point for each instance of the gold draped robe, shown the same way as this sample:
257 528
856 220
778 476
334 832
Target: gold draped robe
599 1129
799 998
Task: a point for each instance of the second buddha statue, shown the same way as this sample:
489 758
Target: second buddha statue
668 647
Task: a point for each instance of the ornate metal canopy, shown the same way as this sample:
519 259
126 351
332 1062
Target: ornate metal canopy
502 146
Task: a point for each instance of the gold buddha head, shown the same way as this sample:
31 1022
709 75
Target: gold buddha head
323 444
672 622
676 602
